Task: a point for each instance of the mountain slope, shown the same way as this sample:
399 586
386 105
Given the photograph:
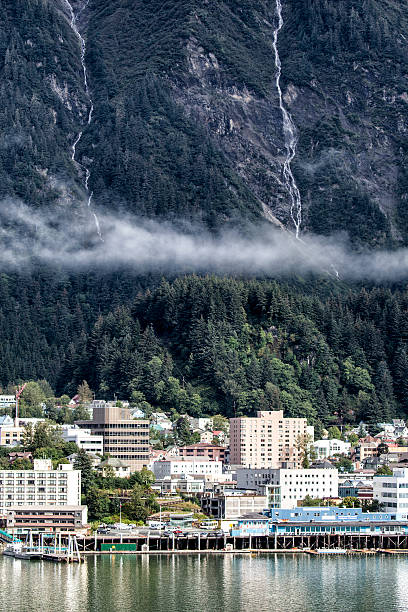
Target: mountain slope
187 126
187 123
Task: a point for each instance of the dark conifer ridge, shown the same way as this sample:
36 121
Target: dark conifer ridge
187 128
210 345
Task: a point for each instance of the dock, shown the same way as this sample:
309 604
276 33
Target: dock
192 543
70 548
58 548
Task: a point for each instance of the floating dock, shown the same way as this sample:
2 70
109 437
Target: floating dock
58 548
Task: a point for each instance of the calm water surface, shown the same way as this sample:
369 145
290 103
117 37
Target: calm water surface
206 584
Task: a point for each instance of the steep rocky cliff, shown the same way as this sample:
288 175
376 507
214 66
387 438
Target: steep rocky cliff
187 123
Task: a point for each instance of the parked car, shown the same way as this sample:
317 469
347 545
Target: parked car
103 530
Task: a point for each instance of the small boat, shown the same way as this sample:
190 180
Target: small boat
328 551
14 549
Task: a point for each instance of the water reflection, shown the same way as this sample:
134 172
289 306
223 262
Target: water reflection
213 583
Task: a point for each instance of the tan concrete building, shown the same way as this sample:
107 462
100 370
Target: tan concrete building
367 447
267 440
125 438
11 435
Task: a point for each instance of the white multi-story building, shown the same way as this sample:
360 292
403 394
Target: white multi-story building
200 423
206 436
231 504
392 492
41 486
286 487
7 401
268 440
162 420
203 467
329 448
83 438
186 483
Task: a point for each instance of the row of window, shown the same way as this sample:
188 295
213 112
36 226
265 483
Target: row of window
129 425
123 449
11 504
39 497
132 457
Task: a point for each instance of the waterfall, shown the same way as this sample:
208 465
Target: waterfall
290 135
74 27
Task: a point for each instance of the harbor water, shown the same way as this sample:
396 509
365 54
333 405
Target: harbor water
207 583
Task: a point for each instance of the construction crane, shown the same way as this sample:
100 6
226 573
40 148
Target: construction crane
19 391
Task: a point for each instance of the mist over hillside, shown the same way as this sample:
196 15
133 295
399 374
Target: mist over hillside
144 139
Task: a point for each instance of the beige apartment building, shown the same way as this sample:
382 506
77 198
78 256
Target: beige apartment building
11 435
267 440
125 438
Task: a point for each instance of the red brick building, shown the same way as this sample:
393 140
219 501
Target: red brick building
203 450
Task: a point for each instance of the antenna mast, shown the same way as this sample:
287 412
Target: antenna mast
19 391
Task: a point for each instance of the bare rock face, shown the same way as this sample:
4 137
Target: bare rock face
350 118
188 119
245 126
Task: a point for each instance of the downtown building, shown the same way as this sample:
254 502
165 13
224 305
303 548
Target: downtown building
267 440
285 488
391 492
42 498
83 438
124 438
209 469
41 486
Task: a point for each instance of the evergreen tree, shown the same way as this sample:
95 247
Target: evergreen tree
84 464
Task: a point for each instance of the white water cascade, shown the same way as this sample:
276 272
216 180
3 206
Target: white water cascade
74 27
290 134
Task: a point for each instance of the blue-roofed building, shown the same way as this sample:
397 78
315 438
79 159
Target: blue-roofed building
320 520
251 524
157 427
326 513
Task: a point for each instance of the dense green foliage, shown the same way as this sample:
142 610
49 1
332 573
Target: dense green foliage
351 54
208 345
102 493
146 153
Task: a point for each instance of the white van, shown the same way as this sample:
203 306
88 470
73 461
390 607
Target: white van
156 524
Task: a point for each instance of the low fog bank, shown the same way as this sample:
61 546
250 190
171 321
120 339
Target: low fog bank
28 236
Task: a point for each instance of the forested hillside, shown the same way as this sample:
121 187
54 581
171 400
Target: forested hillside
344 70
173 113
215 345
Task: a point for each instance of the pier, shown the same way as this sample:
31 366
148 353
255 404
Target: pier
61 547
150 543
